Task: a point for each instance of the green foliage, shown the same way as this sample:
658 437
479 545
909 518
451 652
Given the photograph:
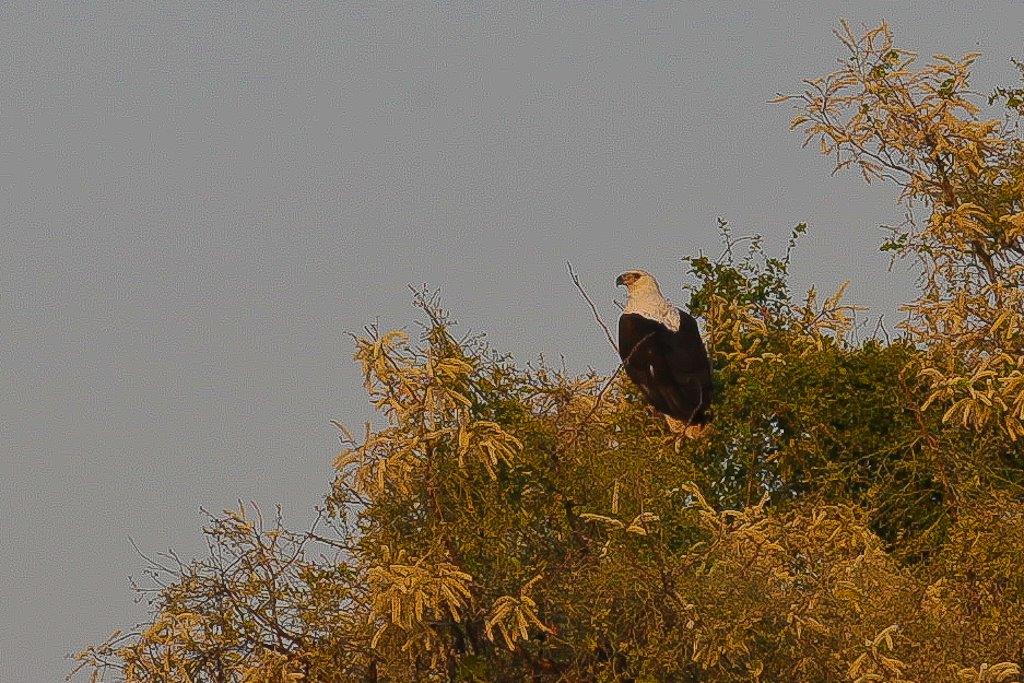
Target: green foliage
1012 98
854 513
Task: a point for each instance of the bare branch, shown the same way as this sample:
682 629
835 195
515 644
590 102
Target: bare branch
597 316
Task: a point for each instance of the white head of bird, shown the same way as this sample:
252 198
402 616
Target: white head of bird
643 297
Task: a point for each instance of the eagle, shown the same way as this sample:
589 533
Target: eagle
663 354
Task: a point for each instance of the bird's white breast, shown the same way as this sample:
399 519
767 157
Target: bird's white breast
654 307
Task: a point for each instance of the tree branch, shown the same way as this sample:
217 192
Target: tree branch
597 316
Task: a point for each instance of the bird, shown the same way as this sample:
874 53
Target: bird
663 354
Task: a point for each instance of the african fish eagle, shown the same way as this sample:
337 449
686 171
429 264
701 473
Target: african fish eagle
663 354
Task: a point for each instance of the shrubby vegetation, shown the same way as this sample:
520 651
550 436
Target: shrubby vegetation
856 512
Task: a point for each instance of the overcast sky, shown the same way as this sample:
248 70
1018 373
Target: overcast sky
198 202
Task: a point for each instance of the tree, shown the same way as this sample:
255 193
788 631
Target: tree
855 514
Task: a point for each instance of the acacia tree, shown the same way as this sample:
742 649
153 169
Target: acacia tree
855 513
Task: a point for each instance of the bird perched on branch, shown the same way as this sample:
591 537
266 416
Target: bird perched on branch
663 354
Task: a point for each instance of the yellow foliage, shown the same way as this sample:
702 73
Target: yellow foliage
916 126
405 595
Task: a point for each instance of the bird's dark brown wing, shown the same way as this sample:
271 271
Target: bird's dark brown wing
671 368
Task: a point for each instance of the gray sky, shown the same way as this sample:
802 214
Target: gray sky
198 202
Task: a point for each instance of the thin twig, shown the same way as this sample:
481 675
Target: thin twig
604 388
597 316
153 564
880 327
600 395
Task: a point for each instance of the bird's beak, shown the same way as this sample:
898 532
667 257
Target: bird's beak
619 281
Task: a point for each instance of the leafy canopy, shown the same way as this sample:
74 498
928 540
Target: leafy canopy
854 514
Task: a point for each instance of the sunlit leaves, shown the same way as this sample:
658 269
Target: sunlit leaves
486 443
1004 672
513 617
919 127
876 662
406 595
638 525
